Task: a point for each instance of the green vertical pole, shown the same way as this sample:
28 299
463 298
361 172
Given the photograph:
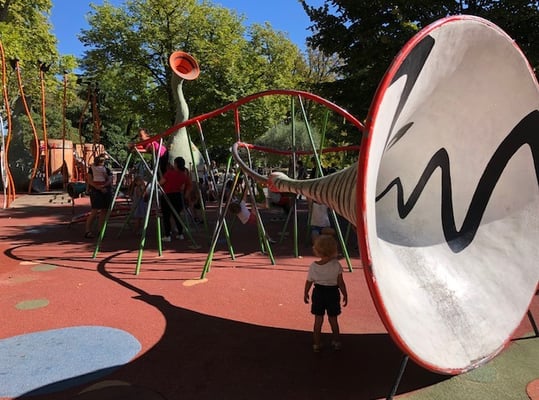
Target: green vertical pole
285 226
147 218
111 206
294 160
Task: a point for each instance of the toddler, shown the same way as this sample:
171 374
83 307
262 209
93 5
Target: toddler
326 275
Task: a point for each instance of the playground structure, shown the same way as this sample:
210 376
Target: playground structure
224 203
183 65
431 282
435 286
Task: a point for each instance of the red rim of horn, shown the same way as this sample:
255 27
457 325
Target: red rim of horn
184 65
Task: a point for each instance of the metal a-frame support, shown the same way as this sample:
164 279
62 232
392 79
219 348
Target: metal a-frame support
153 199
221 222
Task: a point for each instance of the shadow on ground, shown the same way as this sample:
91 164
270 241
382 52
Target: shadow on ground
205 357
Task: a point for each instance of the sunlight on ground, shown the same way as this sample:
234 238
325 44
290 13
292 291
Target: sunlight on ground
193 282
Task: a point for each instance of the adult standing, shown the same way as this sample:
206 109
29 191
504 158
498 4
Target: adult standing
176 184
100 187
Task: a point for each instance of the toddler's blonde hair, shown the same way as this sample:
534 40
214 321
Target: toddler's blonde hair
326 246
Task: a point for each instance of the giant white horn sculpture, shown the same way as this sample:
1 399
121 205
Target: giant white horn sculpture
449 187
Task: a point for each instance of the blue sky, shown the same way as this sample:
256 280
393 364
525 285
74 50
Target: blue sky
68 17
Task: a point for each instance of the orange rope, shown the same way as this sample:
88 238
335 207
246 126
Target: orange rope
34 131
65 170
44 124
10 186
82 148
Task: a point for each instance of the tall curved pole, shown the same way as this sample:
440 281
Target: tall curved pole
42 69
7 178
34 131
81 142
96 121
65 170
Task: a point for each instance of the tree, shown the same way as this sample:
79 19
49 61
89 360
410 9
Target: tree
25 30
366 35
128 51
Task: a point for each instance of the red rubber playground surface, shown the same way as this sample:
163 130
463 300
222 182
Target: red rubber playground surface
78 327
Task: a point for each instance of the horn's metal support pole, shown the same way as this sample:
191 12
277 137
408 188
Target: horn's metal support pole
341 239
534 325
294 174
398 378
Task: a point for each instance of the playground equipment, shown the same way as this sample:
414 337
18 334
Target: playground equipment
292 214
234 109
42 69
221 223
153 205
441 291
86 152
450 297
184 68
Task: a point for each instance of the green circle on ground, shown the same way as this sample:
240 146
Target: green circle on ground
44 267
32 304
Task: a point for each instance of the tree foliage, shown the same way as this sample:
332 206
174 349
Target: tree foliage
25 30
366 35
